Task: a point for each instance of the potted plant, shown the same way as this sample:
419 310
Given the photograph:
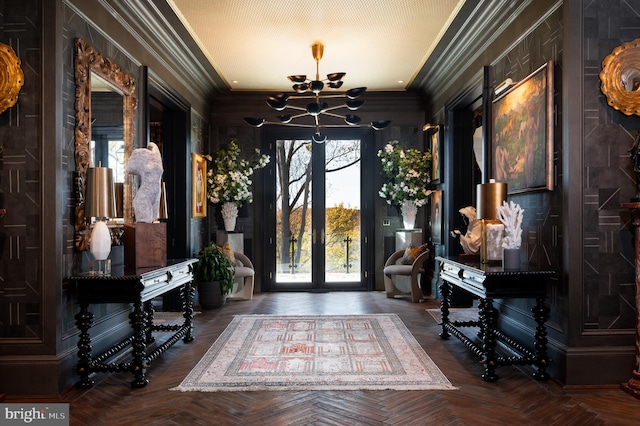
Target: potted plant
213 276
229 180
408 173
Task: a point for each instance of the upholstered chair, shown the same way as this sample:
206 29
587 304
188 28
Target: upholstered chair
397 265
245 271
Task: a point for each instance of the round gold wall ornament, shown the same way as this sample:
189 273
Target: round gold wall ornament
11 77
620 77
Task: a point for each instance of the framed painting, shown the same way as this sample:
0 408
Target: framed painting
436 157
522 133
436 217
198 185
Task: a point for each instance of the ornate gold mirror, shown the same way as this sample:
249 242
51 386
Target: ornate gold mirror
620 77
102 82
11 77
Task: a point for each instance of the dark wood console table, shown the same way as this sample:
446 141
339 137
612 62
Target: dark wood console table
137 287
488 283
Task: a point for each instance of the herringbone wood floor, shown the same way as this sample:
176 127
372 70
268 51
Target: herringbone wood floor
516 399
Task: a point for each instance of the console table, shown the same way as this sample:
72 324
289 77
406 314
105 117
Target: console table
137 287
489 282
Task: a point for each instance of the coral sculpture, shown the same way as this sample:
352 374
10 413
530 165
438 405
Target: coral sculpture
511 216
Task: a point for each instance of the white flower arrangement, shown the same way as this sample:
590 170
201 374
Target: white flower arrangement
228 180
408 173
511 216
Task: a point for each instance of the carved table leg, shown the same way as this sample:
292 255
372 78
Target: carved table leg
490 316
84 321
445 289
187 309
541 315
481 319
148 308
139 365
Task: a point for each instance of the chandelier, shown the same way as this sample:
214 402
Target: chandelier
317 106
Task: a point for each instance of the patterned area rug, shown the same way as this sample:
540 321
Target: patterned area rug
335 352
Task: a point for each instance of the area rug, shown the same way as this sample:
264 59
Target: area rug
329 352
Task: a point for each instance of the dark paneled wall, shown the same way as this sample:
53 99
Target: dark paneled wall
608 266
21 288
542 225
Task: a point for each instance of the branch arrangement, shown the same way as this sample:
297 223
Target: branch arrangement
511 216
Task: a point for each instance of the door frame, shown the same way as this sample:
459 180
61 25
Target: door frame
270 135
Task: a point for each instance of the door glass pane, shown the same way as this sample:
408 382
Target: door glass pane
342 211
293 210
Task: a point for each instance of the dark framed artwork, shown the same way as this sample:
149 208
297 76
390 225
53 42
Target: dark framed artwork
436 217
522 133
436 157
198 185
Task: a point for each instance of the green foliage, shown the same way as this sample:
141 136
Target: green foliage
229 181
214 266
408 173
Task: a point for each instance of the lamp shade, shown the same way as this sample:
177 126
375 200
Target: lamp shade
489 197
100 195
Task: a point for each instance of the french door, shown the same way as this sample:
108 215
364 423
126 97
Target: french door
319 241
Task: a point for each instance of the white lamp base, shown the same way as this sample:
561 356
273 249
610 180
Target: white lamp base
100 248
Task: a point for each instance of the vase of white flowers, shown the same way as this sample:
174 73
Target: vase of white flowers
229 183
511 216
408 172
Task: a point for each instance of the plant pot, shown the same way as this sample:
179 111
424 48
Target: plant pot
409 211
229 215
210 295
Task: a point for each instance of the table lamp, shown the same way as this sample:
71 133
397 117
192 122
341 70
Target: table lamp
489 197
100 203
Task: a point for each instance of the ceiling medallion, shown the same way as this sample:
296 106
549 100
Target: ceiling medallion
11 77
620 78
317 106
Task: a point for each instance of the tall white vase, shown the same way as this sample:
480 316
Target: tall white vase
409 211
229 214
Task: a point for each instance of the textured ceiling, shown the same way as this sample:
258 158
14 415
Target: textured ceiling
256 44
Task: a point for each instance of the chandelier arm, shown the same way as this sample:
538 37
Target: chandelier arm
333 108
293 117
330 114
297 108
306 126
336 95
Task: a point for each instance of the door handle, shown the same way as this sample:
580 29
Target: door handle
313 236
322 236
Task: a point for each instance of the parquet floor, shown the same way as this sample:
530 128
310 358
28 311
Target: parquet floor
516 399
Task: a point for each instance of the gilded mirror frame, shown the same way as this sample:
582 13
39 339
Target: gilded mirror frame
620 78
87 61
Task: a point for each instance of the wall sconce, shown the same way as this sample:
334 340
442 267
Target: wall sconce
503 86
429 126
100 203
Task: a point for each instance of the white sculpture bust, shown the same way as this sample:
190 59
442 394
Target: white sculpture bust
146 163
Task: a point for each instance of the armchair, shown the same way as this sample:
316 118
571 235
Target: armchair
245 271
393 267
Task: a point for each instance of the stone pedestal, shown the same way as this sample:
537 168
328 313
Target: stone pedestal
145 245
236 239
406 236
